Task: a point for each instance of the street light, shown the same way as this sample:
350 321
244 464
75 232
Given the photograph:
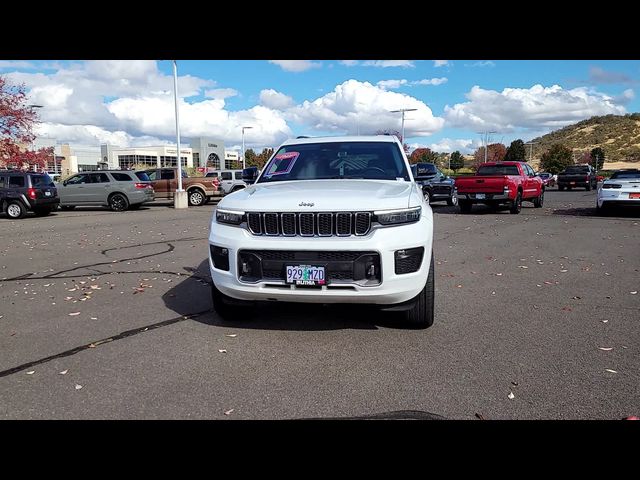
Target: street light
486 141
403 110
531 149
243 129
55 169
180 199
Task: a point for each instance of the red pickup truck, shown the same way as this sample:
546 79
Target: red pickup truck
500 183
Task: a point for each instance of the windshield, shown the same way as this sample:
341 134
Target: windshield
626 175
498 170
423 169
544 175
319 161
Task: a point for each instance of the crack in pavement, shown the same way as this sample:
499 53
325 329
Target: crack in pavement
54 275
120 336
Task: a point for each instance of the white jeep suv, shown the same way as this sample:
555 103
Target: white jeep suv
328 220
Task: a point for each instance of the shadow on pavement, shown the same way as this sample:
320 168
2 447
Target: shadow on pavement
613 213
193 295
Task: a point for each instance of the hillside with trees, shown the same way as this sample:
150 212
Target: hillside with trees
617 135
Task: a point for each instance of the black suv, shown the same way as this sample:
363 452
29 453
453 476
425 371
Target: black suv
21 192
436 186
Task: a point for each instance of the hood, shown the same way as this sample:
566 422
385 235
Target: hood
325 195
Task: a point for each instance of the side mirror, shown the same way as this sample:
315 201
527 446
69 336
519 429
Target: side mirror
250 175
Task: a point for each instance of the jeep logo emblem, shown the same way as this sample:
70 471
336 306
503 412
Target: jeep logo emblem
305 204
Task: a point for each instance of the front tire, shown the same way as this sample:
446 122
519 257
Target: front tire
588 187
516 206
561 188
15 210
118 202
427 196
421 315
220 303
67 207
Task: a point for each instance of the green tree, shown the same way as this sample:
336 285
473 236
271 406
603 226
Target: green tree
250 158
516 152
457 161
597 158
263 157
556 159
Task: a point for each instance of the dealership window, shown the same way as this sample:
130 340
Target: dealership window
87 168
170 161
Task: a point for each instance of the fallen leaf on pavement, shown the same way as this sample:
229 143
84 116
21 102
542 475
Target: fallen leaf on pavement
222 350
604 321
229 412
63 372
514 383
92 345
74 314
31 372
564 271
78 387
576 298
522 266
605 349
610 371
566 309
231 335
479 416
511 396
634 292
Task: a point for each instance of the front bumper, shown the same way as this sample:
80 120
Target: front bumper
392 289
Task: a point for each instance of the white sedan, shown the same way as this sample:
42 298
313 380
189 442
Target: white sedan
623 188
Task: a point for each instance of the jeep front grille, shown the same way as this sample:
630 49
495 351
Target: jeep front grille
308 224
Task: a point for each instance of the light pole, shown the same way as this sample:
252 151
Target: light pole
243 129
531 150
402 110
180 199
486 144
55 170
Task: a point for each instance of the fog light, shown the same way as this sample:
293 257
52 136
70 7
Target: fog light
408 260
220 257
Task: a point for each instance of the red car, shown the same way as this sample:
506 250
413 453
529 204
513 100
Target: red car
500 183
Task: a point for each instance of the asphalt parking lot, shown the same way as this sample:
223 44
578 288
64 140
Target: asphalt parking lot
108 316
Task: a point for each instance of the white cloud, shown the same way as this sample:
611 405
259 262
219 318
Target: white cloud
448 145
16 64
625 97
221 93
388 63
431 81
359 106
389 84
270 98
533 108
441 63
155 116
349 63
486 63
296 65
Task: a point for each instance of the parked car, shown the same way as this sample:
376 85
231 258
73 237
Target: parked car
165 183
578 176
328 220
435 185
548 179
22 192
500 183
623 188
117 189
230 180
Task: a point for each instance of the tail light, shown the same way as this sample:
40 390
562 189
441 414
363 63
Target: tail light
144 185
31 192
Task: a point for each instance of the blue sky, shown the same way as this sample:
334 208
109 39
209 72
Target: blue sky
131 103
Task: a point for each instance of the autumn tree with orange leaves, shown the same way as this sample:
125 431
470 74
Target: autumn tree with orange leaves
16 130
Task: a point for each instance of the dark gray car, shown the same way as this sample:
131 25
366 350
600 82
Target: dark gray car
117 189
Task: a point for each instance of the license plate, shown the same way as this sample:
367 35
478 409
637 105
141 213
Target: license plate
305 275
634 195
47 194
480 196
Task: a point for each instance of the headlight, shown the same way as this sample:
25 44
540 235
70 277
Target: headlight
229 217
397 217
